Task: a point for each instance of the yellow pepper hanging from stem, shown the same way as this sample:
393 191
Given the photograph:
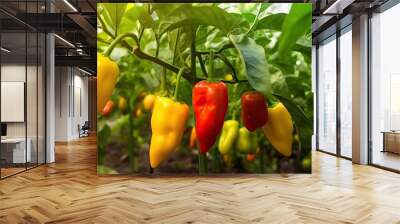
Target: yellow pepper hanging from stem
107 75
108 72
279 129
168 125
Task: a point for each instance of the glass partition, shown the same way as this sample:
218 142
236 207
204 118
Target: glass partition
346 92
385 89
32 96
327 95
22 77
14 151
41 86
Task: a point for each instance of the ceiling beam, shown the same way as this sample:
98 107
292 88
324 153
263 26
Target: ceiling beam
79 61
86 27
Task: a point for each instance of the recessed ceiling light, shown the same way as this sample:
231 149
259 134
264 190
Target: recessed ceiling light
65 41
5 50
84 71
337 7
70 5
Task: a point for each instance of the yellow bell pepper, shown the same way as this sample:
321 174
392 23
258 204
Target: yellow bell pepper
122 104
107 74
168 125
148 102
279 129
193 138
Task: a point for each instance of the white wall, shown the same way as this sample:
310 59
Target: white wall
12 73
33 127
71 94
61 103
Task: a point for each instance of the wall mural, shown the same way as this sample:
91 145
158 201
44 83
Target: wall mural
204 88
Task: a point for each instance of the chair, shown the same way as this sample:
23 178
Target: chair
84 130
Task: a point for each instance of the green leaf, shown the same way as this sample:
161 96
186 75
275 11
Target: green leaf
296 24
261 8
164 10
103 15
184 42
253 57
249 17
114 14
272 22
279 84
201 15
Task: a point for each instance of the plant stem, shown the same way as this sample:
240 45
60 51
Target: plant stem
176 46
178 80
193 54
140 34
226 61
100 157
262 160
215 160
151 170
130 142
187 75
163 88
158 47
211 74
234 112
226 46
235 105
202 66
119 39
202 163
141 54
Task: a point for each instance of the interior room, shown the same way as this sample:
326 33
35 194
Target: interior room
22 102
50 120
384 88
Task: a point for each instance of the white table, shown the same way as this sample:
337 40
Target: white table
18 148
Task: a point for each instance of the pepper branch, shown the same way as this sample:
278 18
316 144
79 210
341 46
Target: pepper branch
187 74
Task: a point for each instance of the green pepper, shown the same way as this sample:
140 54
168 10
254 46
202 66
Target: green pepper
247 141
228 136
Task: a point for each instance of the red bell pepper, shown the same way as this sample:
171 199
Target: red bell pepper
210 102
254 110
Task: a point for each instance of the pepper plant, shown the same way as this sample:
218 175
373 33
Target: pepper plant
177 68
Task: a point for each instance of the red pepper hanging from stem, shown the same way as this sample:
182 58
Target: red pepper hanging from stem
210 103
254 110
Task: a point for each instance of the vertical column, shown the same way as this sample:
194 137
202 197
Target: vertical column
338 91
360 90
50 98
50 92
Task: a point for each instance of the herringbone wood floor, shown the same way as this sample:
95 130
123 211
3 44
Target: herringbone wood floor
69 191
